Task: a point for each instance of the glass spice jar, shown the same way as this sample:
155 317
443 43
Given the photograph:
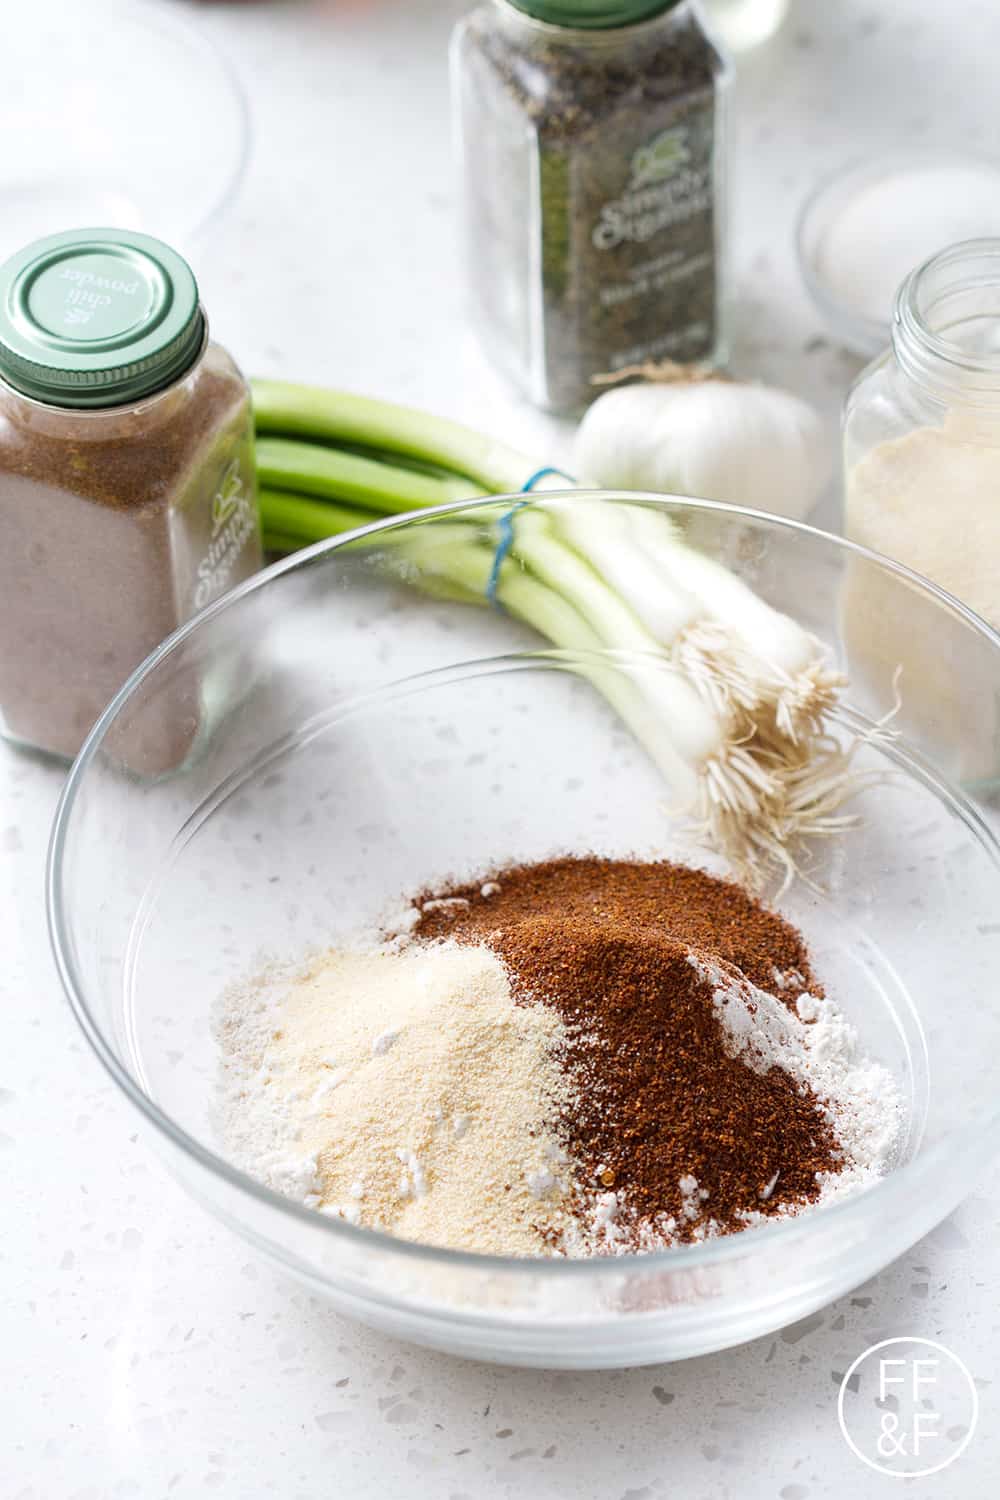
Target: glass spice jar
922 429
922 477
590 139
127 482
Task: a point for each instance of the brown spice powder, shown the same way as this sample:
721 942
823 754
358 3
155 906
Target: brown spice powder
108 517
660 1100
715 916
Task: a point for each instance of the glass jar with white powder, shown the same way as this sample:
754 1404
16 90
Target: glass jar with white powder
922 480
922 429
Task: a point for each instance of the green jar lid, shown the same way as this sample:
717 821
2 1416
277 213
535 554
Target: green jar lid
593 15
97 317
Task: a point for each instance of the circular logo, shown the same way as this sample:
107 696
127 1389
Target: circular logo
908 1407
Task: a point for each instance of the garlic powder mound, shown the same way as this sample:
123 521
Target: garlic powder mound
403 1089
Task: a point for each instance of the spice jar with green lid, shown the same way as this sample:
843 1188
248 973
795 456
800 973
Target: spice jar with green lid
127 483
591 145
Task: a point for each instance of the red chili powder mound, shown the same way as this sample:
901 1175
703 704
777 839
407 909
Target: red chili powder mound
660 1100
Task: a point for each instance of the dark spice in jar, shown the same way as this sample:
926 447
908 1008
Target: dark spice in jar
592 192
665 1115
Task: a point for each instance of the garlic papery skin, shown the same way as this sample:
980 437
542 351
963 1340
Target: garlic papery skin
710 439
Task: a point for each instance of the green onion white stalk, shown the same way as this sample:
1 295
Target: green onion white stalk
784 666
728 696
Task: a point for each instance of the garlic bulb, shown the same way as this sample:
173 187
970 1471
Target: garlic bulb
713 439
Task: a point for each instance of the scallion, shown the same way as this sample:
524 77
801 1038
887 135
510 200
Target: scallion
729 697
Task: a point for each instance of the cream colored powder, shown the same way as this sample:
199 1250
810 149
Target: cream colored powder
929 500
405 1090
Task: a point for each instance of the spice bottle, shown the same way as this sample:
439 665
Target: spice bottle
922 477
127 482
922 429
591 142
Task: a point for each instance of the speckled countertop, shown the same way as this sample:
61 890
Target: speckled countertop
145 1352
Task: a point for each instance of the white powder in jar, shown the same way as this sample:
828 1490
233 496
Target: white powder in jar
929 500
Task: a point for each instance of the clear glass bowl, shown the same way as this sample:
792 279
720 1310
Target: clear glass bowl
125 116
365 738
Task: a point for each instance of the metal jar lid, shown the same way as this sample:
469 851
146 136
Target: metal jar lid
97 317
593 15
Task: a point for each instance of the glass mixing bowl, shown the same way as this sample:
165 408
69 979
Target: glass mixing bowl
118 113
352 738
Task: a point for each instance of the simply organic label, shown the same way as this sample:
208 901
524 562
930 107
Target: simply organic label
234 522
664 189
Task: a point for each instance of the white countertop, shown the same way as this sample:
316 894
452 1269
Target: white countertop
145 1352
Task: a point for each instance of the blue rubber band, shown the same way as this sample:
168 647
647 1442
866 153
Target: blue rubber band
540 474
505 526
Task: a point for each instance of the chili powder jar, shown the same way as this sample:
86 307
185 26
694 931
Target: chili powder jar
591 147
127 482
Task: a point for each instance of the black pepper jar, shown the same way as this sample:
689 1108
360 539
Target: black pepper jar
591 140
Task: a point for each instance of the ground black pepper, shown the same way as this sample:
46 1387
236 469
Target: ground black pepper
660 1100
591 195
